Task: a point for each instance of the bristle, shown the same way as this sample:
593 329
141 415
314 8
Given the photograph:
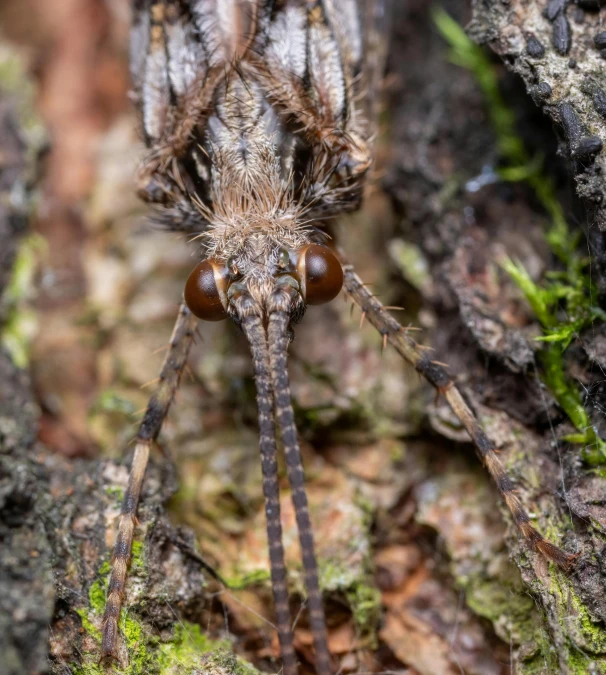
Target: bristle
278 345
253 330
435 373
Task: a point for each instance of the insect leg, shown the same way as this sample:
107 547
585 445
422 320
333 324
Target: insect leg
278 345
253 328
436 375
155 413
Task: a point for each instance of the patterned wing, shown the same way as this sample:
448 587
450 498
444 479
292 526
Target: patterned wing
322 60
176 48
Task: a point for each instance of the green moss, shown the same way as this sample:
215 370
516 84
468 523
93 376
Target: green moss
508 608
184 649
223 661
17 335
517 619
139 644
16 83
363 598
549 302
21 325
356 582
137 562
105 569
180 654
585 639
365 603
540 658
514 614
594 633
21 283
585 634
91 668
88 625
115 492
582 664
563 302
96 596
238 582
147 654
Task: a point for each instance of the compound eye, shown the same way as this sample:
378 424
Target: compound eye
321 274
202 290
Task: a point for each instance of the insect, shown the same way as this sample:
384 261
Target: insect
259 119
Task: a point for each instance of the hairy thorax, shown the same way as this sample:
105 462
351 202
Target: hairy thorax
255 202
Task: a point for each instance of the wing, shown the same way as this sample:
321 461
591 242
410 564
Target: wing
331 50
176 46
322 60
319 63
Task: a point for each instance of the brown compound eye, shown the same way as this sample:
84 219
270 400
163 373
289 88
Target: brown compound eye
321 274
202 294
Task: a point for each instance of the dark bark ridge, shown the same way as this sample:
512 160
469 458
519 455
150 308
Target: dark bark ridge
26 585
556 47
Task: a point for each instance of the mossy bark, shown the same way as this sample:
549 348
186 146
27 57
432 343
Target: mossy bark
464 222
26 584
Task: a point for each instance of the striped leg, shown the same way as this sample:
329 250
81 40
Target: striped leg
278 344
155 413
436 375
253 328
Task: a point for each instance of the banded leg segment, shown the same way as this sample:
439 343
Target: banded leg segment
278 345
436 375
149 429
253 328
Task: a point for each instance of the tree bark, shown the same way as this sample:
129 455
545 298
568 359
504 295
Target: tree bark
422 568
464 224
557 48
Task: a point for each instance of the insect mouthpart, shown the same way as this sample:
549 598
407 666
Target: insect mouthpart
265 308
312 272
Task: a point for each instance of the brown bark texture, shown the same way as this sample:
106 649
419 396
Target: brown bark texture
422 570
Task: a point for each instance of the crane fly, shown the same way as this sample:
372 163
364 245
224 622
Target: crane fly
259 119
